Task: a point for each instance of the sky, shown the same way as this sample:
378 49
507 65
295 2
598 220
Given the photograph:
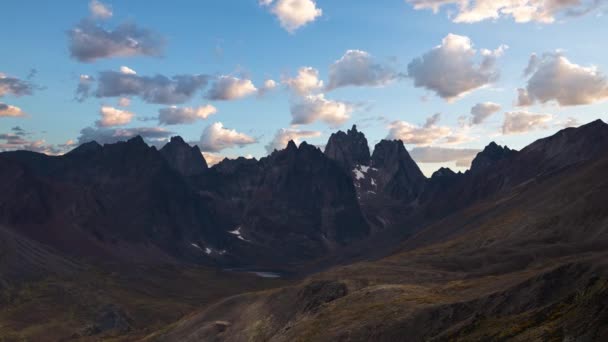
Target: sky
243 77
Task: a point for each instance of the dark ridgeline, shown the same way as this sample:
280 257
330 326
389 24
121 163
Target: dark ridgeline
519 238
184 158
131 202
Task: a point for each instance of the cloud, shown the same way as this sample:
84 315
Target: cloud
184 115
7 110
316 107
85 83
111 135
450 69
158 89
14 86
570 122
100 10
306 82
523 121
11 144
432 120
216 138
358 68
554 78
293 14
462 156
127 70
89 42
481 111
16 140
212 158
543 11
19 131
111 116
417 135
230 88
268 86
283 136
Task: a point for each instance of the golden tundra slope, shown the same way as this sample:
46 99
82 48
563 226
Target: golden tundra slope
526 266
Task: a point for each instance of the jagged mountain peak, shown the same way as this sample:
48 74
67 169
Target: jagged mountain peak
184 158
86 148
348 149
491 154
400 176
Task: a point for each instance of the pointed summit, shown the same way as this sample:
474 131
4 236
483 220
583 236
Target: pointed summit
400 177
490 155
184 158
291 146
348 149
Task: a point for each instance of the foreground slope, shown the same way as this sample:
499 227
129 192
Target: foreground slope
525 263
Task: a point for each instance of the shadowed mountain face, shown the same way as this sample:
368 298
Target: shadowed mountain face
184 158
348 149
519 238
524 263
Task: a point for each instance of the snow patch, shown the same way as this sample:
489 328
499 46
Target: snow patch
237 232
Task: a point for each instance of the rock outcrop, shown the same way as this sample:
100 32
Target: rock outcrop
348 149
184 158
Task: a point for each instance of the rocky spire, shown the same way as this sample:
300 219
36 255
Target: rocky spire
184 158
490 155
399 176
348 149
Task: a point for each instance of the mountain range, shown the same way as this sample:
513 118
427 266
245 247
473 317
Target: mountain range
355 245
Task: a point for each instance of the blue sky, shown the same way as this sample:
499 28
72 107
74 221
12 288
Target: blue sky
249 40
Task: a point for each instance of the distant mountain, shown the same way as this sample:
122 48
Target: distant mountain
516 251
519 238
129 201
184 158
348 149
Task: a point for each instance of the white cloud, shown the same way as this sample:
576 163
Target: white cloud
283 136
429 154
231 88
358 68
216 138
522 11
555 78
570 122
111 116
268 86
212 158
184 115
306 82
481 111
451 70
126 70
417 135
293 14
7 110
523 121
316 107
100 10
